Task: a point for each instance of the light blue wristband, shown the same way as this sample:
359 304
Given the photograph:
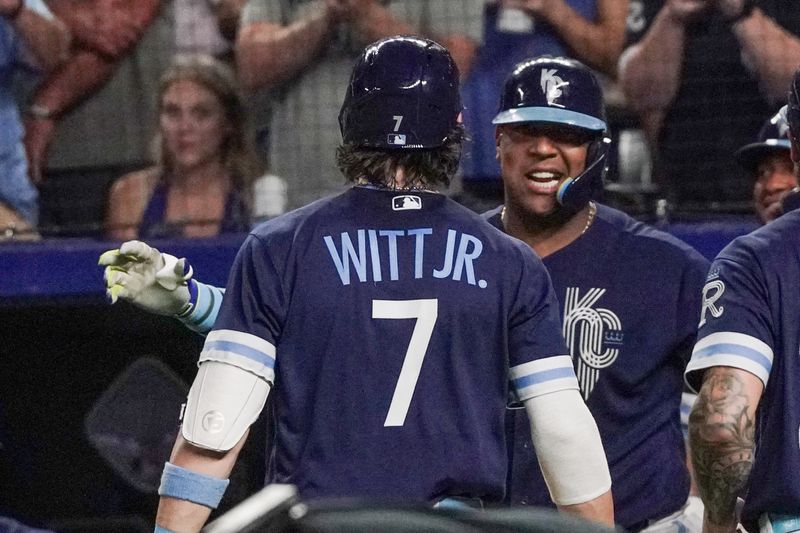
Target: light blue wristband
159 529
183 484
205 302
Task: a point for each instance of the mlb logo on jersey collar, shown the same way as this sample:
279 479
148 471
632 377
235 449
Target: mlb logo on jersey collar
406 202
396 139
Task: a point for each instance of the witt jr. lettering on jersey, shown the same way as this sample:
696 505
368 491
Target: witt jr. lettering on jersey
593 336
366 254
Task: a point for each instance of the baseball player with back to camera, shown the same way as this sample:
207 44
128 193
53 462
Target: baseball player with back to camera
745 424
393 293
629 294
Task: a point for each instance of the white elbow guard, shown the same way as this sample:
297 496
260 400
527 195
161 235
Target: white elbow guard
223 402
568 447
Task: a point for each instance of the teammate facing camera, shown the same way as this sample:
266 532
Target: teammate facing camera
745 366
769 161
389 321
552 155
629 295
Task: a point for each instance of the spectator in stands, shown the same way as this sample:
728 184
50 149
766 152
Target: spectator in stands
101 97
104 33
769 162
592 31
304 50
200 184
30 38
207 27
118 53
703 75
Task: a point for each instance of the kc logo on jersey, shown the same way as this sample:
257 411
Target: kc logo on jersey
406 202
551 86
593 335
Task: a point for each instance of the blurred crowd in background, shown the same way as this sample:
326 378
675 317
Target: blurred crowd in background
199 117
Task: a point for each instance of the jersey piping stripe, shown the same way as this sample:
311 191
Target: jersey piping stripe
240 349
541 377
724 360
740 339
734 350
240 337
547 363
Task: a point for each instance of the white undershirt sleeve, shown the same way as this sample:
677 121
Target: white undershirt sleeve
568 447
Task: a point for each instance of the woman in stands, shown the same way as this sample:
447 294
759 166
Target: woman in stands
200 185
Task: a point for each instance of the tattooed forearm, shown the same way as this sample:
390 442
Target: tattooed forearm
721 436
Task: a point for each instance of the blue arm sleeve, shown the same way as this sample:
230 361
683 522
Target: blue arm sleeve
205 302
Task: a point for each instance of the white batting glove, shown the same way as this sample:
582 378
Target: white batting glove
154 281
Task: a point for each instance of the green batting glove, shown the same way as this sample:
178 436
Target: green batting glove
147 278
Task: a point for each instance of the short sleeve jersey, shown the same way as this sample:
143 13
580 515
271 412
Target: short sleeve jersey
304 128
750 320
391 325
630 300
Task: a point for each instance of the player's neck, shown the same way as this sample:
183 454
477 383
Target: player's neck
547 235
399 183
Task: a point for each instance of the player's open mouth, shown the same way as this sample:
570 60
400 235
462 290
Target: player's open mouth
543 181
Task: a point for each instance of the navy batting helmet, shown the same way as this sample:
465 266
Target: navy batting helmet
773 137
793 108
564 91
403 94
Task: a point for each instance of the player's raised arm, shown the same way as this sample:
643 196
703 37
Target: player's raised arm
160 283
234 378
